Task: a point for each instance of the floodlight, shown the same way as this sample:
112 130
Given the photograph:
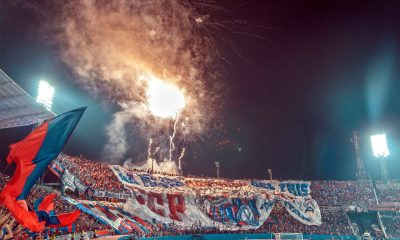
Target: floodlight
379 146
45 94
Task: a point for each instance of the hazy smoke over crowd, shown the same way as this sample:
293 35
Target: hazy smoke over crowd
114 46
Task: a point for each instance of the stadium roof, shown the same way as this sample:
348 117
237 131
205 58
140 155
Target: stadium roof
17 107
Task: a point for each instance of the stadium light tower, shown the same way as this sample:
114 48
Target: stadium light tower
381 151
270 174
361 173
217 165
45 95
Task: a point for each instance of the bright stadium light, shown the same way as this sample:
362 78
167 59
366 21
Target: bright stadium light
381 151
379 146
45 94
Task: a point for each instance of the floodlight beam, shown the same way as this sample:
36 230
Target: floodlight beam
45 95
381 151
379 146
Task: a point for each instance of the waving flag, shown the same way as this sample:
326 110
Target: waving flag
32 156
44 208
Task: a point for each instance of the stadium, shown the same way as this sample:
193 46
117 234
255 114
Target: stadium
152 120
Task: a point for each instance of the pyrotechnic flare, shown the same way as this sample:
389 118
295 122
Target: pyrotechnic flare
149 158
119 51
171 139
180 160
164 99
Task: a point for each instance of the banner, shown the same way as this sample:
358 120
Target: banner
79 185
68 180
390 207
113 214
71 181
106 194
227 204
57 168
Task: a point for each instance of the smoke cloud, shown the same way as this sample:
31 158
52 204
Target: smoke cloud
114 46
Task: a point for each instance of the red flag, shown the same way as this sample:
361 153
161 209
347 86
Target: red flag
32 156
44 208
20 153
19 210
47 203
66 219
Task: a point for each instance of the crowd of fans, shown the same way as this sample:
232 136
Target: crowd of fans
392 226
389 196
139 170
84 223
332 196
213 183
343 192
99 176
93 174
11 230
334 222
388 193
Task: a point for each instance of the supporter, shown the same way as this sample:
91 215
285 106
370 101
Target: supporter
388 193
10 229
334 222
332 196
343 192
5 223
392 226
94 174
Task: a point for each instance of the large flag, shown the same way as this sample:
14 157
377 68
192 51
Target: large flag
32 156
44 208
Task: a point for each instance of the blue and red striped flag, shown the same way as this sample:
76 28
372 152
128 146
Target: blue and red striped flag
32 156
44 208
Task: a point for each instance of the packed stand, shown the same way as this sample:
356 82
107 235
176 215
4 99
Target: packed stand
389 192
328 194
84 223
343 192
389 196
12 230
334 222
392 225
93 174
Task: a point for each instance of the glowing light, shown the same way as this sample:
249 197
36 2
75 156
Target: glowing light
164 99
379 145
45 94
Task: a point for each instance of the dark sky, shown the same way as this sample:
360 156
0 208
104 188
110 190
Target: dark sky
300 83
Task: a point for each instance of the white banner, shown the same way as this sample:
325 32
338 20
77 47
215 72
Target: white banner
229 204
107 194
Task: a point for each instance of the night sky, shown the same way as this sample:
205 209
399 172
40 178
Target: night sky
298 84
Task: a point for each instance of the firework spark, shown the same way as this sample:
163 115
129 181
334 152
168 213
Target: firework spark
140 55
149 157
148 57
180 160
171 139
